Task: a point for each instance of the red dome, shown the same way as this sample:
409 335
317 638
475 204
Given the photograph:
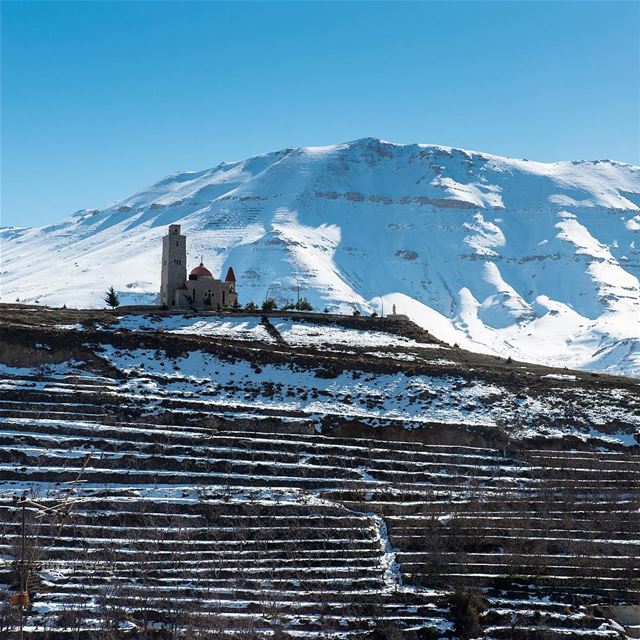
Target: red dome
231 277
201 270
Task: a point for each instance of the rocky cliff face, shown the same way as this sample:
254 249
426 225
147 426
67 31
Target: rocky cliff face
512 257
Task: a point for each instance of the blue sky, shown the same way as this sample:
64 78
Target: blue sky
100 99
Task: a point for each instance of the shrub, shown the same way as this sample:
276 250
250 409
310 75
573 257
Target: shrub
327 373
466 607
387 630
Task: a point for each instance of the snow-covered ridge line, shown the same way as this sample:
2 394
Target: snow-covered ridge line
535 261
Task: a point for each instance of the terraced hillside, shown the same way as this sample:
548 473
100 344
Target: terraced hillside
307 476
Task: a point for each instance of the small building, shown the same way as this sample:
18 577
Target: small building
200 290
396 316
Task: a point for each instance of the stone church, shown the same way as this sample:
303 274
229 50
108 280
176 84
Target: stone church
200 290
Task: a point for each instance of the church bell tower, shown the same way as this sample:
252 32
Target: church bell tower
174 265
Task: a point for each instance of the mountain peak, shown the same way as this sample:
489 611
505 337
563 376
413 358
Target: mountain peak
538 261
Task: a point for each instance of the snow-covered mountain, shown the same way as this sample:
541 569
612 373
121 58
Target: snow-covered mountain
537 261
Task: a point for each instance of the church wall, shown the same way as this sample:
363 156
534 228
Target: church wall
220 294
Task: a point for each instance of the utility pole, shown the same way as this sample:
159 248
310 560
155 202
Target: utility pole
266 295
273 285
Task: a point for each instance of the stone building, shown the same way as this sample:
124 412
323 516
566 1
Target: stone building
198 291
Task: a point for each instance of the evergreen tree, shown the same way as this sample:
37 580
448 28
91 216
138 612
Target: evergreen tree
269 305
111 298
303 305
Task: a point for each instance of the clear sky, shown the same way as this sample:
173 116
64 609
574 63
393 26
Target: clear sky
100 99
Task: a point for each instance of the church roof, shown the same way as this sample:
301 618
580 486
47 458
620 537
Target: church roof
230 277
201 270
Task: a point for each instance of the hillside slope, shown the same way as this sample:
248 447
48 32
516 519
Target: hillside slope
308 476
535 261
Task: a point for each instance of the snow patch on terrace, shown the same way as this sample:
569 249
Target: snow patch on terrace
205 377
236 328
69 367
412 400
308 334
70 327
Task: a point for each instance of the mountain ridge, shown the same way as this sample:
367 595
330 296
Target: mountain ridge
512 257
